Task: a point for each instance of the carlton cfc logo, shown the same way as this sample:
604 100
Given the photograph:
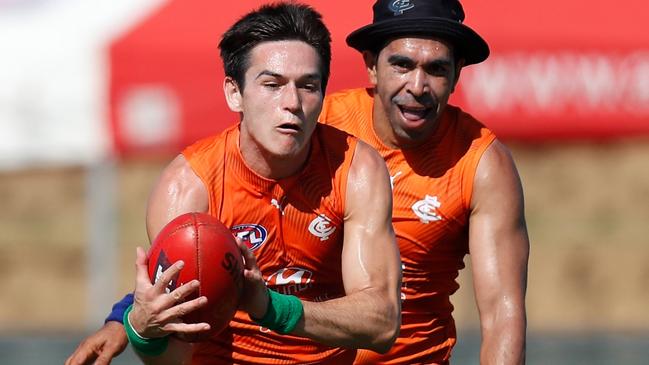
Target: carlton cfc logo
290 280
254 235
399 6
426 209
321 227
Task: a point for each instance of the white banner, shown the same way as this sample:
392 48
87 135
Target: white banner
54 78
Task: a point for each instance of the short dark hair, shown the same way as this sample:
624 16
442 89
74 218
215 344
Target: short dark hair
274 22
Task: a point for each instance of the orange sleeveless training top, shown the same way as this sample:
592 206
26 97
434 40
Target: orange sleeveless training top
294 227
432 187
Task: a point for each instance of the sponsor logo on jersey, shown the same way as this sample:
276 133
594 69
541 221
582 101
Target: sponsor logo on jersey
426 209
399 6
254 235
290 280
321 227
161 265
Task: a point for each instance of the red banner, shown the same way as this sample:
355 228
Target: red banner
558 69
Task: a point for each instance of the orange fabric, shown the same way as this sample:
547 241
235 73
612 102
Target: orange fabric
295 228
432 187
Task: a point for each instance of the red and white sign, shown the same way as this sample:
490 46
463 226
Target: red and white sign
558 69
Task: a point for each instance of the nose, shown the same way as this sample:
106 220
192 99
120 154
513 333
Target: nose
291 98
418 84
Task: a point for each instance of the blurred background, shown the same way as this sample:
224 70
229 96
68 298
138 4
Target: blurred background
96 97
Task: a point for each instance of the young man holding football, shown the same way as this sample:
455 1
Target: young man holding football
322 196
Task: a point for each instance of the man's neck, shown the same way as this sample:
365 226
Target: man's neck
269 166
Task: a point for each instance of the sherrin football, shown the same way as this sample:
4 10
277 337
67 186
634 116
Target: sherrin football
211 256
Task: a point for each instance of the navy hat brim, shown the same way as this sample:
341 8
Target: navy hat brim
465 40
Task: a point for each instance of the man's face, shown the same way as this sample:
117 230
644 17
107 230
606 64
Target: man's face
413 78
282 98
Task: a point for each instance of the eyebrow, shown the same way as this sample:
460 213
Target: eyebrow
397 58
267 73
315 76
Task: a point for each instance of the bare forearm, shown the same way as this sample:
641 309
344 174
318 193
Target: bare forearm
503 340
364 319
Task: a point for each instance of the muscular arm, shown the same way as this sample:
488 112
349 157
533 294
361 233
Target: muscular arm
499 248
177 191
369 315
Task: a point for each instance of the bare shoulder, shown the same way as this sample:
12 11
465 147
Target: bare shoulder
179 168
178 190
496 162
179 178
367 161
496 176
368 184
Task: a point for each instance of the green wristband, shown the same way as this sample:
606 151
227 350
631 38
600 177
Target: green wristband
146 346
283 312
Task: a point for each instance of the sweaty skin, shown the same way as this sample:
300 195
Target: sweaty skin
499 254
279 107
413 79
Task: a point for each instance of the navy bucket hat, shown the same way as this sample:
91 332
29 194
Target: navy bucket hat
439 18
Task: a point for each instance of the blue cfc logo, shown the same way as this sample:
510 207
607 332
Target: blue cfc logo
254 235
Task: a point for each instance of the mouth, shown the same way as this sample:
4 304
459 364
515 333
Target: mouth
414 113
290 128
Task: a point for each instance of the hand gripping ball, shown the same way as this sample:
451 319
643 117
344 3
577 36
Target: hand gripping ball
211 256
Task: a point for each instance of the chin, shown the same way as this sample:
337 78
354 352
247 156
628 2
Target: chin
287 152
415 134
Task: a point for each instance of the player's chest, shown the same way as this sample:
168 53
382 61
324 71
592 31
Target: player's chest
284 226
427 206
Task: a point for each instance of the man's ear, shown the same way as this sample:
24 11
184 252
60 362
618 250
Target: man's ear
458 68
370 65
232 94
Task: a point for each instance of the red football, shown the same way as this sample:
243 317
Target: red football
211 255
